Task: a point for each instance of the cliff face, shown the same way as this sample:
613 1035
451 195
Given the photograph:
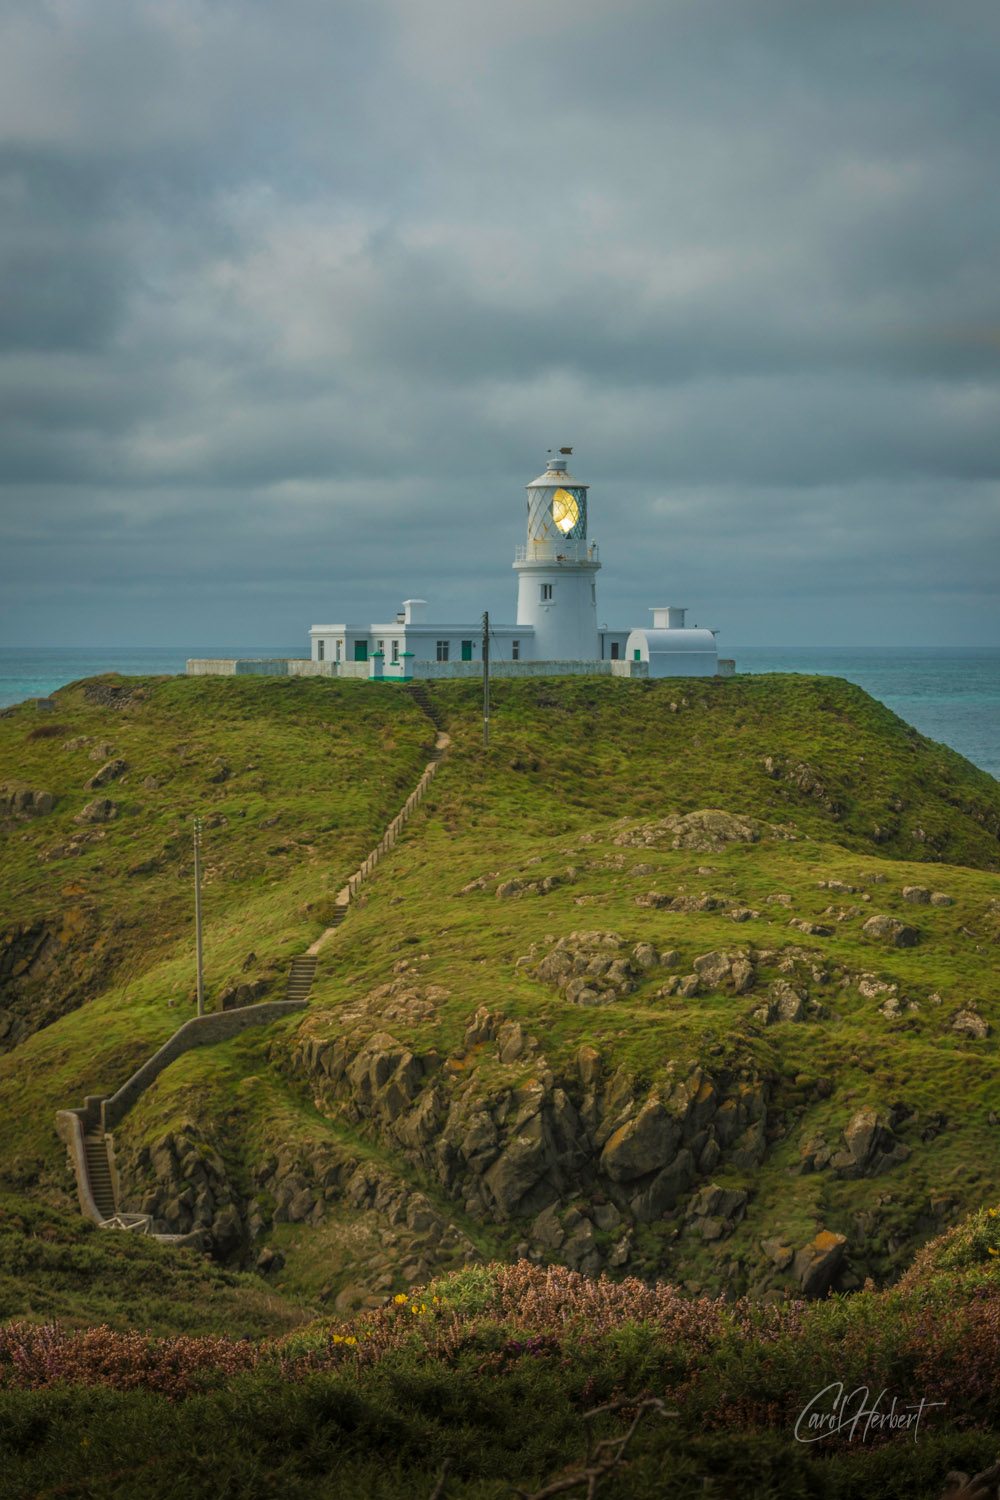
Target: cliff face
683 981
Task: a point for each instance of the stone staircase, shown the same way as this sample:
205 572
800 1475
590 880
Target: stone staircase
301 975
418 692
86 1141
99 1172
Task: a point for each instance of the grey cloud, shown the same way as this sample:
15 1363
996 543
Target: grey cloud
297 297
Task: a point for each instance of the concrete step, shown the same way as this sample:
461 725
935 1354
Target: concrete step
300 976
420 696
99 1173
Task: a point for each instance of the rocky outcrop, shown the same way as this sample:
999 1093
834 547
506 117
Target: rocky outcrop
592 967
802 778
531 1148
185 1184
870 1148
733 972
706 831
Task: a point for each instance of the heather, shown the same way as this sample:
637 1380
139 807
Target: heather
495 1371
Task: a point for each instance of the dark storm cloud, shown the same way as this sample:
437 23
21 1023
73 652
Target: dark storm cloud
294 299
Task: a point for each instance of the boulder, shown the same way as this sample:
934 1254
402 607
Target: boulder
917 895
547 1230
971 1023
870 1147
717 1202
713 969
891 930
789 1003
780 1255
644 1144
517 1169
811 929
939 898
510 1041
101 810
663 1192
817 1263
588 1062
108 772
24 801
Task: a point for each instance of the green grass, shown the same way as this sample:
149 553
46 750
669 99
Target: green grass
56 1266
572 764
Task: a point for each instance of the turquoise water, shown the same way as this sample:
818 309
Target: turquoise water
951 695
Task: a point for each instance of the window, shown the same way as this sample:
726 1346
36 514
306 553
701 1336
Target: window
320 650
546 591
466 650
381 647
340 645
395 651
442 651
515 650
615 648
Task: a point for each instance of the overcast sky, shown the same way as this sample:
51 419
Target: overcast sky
295 296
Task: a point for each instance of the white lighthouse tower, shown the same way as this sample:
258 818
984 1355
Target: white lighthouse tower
557 568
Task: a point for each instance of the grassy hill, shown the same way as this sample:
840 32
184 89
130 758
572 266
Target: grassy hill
683 981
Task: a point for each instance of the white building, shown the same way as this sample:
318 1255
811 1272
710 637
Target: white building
556 613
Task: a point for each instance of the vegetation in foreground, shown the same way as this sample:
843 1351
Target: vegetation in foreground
491 1382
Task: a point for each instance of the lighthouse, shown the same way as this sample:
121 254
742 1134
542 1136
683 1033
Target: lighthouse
556 632
557 568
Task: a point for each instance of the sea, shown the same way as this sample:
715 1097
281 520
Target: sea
951 694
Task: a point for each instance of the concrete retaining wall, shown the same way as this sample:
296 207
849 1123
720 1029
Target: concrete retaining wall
198 1032
70 1129
430 671
303 667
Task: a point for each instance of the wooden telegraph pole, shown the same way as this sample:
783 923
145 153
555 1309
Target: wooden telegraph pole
197 915
486 679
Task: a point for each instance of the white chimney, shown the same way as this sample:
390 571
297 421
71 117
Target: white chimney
668 617
414 611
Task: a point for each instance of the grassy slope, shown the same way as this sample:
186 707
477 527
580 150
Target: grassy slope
567 759
310 772
57 1266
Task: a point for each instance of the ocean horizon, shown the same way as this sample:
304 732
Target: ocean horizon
951 694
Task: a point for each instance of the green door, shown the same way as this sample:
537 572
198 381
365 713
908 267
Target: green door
360 650
466 650
637 656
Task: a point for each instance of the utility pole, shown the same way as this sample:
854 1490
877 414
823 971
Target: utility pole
486 679
197 914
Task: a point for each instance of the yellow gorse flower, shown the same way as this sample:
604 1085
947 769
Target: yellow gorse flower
400 1298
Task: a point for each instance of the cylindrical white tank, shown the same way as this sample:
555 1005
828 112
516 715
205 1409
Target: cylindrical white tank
674 653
